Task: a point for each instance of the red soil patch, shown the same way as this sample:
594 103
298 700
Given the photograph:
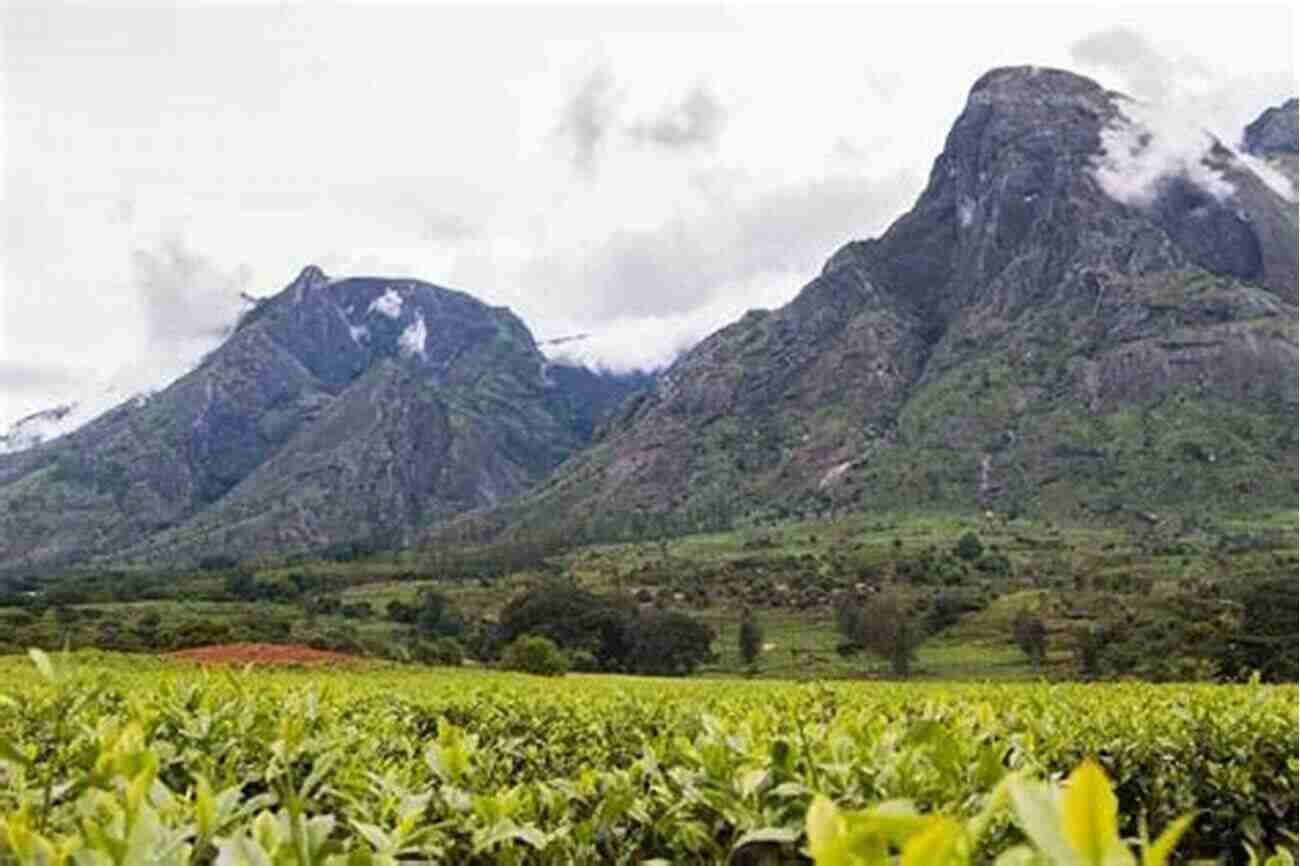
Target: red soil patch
261 653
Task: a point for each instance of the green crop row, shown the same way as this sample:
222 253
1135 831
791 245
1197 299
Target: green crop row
113 760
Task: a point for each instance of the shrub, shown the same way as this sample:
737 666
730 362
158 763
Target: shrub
969 547
947 608
442 651
994 564
535 655
357 610
584 662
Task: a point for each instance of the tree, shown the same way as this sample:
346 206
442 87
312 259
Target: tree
947 608
436 616
750 639
1030 633
969 547
609 628
572 618
1088 644
882 626
667 643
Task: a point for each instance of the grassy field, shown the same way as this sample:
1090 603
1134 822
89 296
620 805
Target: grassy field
791 577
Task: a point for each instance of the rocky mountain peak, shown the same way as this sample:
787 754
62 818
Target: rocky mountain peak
1016 337
1274 131
1011 198
309 279
1048 182
1040 84
340 409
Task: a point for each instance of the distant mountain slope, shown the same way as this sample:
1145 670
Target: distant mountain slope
1030 335
338 410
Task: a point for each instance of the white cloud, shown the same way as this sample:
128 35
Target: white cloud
340 139
413 337
1181 107
184 294
1149 146
388 304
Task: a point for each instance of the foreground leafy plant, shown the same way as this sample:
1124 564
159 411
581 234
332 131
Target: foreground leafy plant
168 765
1074 825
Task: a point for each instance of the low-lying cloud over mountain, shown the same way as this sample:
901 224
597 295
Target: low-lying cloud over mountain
185 296
1181 108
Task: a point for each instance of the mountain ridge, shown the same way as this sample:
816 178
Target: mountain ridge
1009 342
1047 329
336 411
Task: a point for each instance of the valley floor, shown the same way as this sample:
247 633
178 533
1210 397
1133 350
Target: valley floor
1168 596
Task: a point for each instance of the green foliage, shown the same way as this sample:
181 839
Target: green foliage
612 630
948 608
969 547
439 651
883 626
666 643
1030 634
749 639
241 585
535 655
111 759
218 562
1266 638
573 618
435 615
583 662
1089 641
1077 825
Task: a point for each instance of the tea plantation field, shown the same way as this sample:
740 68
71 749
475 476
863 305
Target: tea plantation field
110 759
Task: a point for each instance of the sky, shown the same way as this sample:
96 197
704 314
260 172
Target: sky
642 174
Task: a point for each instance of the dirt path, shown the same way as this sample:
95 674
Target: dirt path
261 653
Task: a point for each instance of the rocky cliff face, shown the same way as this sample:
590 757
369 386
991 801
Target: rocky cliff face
1046 328
1274 131
338 411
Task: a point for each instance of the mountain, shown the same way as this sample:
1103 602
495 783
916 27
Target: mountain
338 411
1274 131
1061 323
1272 138
1066 322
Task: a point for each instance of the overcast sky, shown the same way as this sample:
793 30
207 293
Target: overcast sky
645 174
